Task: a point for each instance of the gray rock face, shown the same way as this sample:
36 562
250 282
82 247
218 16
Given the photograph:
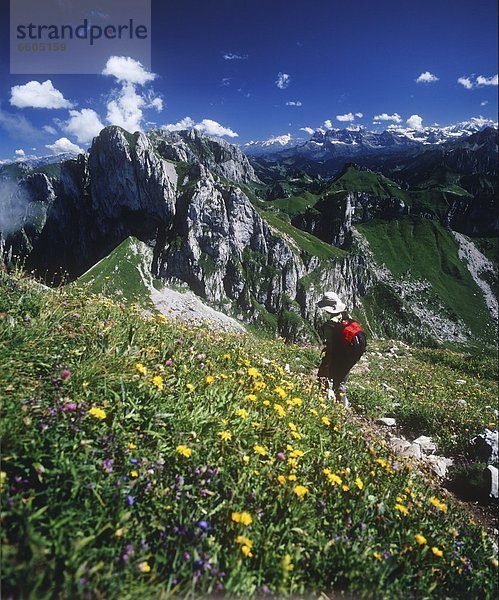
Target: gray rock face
122 189
216 154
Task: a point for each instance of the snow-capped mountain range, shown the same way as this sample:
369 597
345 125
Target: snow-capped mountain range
357 138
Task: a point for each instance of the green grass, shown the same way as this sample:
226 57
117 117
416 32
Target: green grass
131 446
308 243
444 394
124 273
294 205
428 251
356 180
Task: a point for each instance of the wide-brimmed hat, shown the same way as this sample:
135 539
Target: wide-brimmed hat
331 303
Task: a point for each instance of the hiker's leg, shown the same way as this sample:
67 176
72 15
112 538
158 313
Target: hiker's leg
341 393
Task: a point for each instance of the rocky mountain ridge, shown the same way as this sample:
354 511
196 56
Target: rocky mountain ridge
173 193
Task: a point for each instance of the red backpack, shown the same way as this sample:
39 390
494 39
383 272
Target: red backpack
353 335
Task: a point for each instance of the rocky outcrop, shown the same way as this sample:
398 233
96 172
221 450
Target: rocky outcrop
331 218
215 154
123 188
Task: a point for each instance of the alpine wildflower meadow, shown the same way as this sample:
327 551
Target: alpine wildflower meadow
144 457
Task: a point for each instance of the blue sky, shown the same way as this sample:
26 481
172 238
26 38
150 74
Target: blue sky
267 67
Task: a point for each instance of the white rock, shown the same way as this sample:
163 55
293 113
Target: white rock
439 464
462 402
494 484
427 445
404 448
387 421
460 381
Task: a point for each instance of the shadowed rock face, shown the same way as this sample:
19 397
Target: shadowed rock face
122 189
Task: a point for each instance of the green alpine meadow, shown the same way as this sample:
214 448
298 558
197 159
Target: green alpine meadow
147 457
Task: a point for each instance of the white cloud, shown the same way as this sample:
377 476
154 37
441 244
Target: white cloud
294 103
213 128
283 80
49 129
156 103
20 152
38 95
127 70
207 126
348 117
484 103
481 80
328 124
185 123
396 118
465 82
63 145
415 122
226 81
126 109
308 130
427 77
359 115
233 56
83 124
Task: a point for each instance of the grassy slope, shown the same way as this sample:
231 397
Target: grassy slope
123 272
429 251
355 180
129 444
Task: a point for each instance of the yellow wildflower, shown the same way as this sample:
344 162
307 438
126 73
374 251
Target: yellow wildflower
259 450
281 479
224 376
144 567
437 552
225 435
209 379
246 459
141 369
131 446
134 474
98 413
279 410
280 392
251 397
241 412
296 435
377 555
292 477
294 401
359 483
241 539
242 517
437 504
254 373
190 387
226 356
300 490
158 382
401 508
259 385
287 565
420 539
292 426
184 451
246 550
345 487
326 421
266 402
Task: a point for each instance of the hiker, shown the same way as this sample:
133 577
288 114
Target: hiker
345 342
